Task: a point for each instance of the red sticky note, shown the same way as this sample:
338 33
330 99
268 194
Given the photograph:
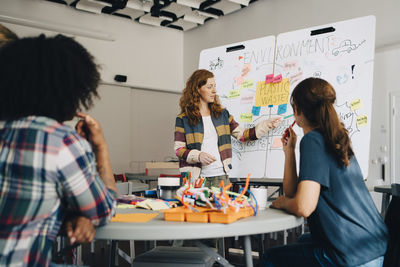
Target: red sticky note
277 78
269 78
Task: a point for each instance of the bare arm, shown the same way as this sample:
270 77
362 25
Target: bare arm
304 202
290 175
290 172
90 129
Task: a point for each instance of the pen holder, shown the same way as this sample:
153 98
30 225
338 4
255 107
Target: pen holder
167 187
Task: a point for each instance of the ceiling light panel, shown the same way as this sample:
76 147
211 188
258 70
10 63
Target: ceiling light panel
140 5
185 25
194 17
241 2
226 6
150 20
132 13
190 3
91 6
178 14
208 15
177 9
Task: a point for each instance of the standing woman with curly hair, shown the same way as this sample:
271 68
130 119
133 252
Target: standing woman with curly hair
346 229
204 128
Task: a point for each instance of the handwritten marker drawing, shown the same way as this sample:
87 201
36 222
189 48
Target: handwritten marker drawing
346 46
217 63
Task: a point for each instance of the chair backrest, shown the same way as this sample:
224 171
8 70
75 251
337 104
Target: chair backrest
392 220
170 175
124 188
120 177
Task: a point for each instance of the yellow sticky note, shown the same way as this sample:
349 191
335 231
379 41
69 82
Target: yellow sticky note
134 217
272 93
234 94
362 120
247 84
246 117
356 104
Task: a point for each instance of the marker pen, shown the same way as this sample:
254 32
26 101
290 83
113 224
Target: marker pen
287 130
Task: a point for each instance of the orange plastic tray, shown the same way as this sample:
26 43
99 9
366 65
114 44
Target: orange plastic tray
206 215
176 214
201 216
230 216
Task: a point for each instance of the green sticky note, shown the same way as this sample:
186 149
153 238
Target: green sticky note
234 94
246 117
247 84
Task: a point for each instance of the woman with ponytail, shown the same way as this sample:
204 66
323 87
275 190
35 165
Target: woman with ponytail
345 226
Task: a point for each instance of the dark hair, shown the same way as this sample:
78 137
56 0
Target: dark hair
314 98
53 77
6 35
190 99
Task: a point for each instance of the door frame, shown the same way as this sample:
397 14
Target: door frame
392 114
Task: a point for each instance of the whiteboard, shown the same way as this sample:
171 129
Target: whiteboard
237 68
344 57
341 53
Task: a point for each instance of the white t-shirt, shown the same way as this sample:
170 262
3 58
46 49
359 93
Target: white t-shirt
210 146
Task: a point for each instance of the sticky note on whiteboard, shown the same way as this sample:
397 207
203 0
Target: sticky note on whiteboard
269 78
246 117
272 93
256 111
247 84
277 143
234 94
356 104
277 78
247 99
362 120
282 109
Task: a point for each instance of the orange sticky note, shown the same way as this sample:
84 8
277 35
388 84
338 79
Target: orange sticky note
134 217
277 143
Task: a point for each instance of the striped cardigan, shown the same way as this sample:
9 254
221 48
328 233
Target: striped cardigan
188 140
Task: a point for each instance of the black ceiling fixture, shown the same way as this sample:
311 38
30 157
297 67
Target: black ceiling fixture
178 14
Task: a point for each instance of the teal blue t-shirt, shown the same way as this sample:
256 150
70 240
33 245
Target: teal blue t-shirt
346 222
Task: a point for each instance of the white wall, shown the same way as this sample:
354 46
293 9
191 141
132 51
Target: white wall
151 57
137 124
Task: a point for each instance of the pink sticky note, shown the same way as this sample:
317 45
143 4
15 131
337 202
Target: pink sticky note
269 78
277 78
239 80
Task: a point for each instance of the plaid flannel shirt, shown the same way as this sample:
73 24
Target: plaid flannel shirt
45 166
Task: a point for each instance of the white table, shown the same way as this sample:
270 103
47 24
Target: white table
266 221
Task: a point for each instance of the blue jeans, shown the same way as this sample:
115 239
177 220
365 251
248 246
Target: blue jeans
305 254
